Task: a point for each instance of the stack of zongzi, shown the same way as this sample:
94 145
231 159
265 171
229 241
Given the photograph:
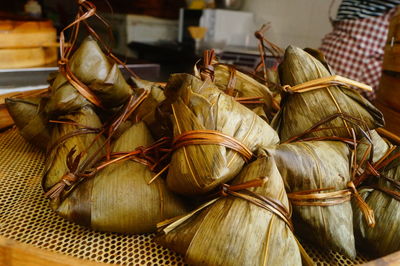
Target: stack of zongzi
213 137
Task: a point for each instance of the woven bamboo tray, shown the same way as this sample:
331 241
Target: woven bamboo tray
31 234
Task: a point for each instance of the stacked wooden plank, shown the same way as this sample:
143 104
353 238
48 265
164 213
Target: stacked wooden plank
27 43
388 96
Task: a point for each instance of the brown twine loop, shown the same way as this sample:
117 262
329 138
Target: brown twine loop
323 197
82 129
325 82
258 182
319 197
66 181
358 123
80 86
365 209
65 52
274 49
392 193
264 44
250 100
373 169
207 69
265 202
211 137
130 106
69 179
150 156
230 87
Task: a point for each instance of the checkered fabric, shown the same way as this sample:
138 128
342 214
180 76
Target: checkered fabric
354 49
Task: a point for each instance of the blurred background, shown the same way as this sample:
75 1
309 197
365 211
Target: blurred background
156 31
159 37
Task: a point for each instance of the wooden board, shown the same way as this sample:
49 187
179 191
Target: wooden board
13 253
389 91
25 34
389 260
392 118
394 29
391 59
395 139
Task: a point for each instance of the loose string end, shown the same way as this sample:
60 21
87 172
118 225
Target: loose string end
158 174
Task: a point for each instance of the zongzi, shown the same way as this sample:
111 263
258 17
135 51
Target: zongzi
382 194
79 133
213 135
300 111
240 228
103 77
30 119
317 168
118 198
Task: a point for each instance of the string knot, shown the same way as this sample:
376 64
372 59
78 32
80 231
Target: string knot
259 35
352 187
365 209
225 190
69 179
108 51
63 62
287 89
207 71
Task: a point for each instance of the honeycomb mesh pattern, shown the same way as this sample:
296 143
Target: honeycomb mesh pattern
26 217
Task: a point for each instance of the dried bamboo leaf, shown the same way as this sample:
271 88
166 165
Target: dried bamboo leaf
56 166
300 111
233 231
319 165
197 105
65 99
30 119
384 238
118 198
156 89
379 147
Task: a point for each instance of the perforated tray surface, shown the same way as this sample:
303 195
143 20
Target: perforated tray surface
26 217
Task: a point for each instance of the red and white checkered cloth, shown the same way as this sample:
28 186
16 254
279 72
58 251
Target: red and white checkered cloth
355 48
